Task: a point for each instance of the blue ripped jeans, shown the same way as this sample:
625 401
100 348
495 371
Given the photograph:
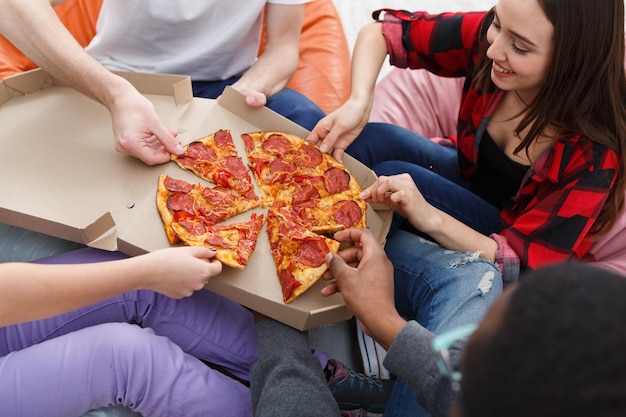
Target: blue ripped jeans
440 289
390 150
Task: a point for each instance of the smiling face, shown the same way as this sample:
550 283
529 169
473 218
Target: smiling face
521 46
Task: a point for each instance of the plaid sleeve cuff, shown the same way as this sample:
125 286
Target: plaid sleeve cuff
392 31
506 260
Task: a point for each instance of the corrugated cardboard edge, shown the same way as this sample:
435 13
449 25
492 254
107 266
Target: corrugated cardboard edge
100 234
177 86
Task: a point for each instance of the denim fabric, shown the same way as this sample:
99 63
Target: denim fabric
287 102
391 150
440 289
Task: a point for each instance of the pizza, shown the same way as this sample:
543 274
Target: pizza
290 170
326 215
298 252
195 207
215 159
233 243
309 194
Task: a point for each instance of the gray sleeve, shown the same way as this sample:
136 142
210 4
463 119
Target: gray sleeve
287 379
411 358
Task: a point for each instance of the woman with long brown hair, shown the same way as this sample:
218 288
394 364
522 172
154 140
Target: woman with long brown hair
537 173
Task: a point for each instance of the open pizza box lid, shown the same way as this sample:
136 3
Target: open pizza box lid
62 177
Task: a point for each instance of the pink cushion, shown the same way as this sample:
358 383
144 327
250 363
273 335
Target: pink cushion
418 100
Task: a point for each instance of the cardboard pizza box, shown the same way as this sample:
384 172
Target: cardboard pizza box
62 177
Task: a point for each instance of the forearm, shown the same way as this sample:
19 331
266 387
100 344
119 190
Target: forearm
271 71
368 57
33 291
455 235
33 26
412 359
279 60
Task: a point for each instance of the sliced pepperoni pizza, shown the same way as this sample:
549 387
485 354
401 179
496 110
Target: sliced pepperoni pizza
214 158
196 207
298 252
291 171
330 214
234 243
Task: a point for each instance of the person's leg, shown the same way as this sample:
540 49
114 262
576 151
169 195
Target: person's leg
205 325
439 288
380 142
287 380
296 107
115 364
447 195
287 102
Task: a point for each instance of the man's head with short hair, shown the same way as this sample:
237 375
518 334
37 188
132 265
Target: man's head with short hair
553 345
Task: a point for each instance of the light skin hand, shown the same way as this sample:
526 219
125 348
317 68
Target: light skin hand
138 130
400 193
179 272
272 70
31 291
335 132
253 98
364 276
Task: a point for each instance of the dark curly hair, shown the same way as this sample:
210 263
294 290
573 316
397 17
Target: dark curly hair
558 351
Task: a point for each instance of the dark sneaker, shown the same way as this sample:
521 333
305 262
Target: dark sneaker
353 390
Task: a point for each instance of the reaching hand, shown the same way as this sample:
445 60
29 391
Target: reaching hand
363 274
335 132
179 272
400 193
139 132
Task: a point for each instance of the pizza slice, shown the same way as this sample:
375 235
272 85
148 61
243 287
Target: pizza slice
298 252
291 170
234 243
195 206
325 215
214 158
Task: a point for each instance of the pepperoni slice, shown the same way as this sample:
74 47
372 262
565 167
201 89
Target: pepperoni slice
248 142
181 202
310 157
287 282
224 141
175 186
235 166
311 252
194 228
336 180
347 213
281 170
217 240
277 144
199 151
305 192
218 196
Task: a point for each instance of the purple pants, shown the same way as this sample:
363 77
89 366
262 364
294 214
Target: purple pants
140 350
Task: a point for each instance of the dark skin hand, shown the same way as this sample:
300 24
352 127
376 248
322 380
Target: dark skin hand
364 276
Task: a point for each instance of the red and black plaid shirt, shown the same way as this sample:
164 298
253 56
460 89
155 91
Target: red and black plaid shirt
565 188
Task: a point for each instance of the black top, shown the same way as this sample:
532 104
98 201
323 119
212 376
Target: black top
498 178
